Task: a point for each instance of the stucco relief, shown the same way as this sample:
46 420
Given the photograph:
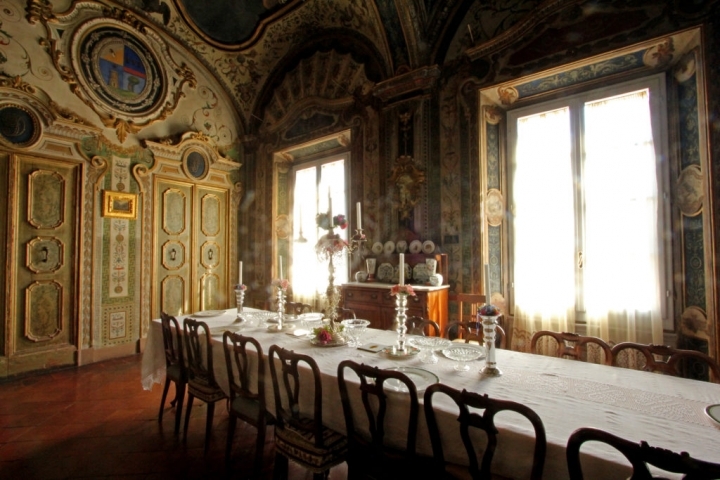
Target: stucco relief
691 191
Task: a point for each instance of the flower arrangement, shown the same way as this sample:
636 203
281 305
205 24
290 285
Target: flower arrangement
329 245
327 334
281 283
402 290
324 221
489 310
240 286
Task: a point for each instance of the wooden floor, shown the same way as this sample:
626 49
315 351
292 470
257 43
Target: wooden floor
96 421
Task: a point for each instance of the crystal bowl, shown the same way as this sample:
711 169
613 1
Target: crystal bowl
428 345
463 354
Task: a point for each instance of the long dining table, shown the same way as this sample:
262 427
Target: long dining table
667 412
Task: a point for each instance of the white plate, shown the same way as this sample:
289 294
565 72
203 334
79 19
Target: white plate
377 248
389 247
415 246
421 378
208 313
385 272
420 273
713 412
428 247
401 246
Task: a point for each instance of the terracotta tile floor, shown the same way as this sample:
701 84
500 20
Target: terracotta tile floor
96 421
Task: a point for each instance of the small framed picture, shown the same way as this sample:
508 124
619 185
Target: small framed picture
119 204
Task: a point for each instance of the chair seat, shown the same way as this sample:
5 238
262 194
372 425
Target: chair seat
249 410
175 373
205 391
298 444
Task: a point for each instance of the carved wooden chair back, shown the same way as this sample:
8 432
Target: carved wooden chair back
639 455
300 437
472 332
572 345
201 375
473 301
468 420
174 366
368 455
297 308
422 326
665 359
247 400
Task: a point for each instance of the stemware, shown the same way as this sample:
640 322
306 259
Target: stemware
462 354
354 328
428 346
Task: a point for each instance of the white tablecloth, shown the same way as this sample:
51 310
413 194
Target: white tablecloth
665 411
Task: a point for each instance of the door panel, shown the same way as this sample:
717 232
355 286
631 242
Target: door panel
45 310
212 243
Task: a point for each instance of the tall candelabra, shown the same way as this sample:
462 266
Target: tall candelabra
400 319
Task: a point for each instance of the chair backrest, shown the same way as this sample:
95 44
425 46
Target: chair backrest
639 455
473 300
485 421
373 385
239 368
172 341
422 326
566 344
665 359
297 308
472 332
286 389
200 370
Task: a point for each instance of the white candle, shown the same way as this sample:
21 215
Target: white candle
486 283
329 206
240 273
401 269
359 216
281 269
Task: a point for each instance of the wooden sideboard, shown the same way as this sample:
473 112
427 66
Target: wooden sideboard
372 301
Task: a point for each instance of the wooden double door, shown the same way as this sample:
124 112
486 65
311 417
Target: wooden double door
190 247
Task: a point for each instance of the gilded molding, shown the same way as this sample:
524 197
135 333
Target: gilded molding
420 79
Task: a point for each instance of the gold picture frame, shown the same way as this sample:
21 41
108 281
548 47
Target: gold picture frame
119 204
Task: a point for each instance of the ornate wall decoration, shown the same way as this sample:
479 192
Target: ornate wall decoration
408 181
118 324
19 126
115 64
43 310
195 164
691 191
494 207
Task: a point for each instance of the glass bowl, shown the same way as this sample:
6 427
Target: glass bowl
428 346
463 354
353 328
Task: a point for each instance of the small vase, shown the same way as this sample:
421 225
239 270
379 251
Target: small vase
400 318
489 324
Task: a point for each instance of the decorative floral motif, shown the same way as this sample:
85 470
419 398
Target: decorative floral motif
402 290
281 283
327 334
330 245
323 221
240 287
489 310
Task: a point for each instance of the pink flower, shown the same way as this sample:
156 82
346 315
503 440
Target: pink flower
240 287
281 283
324 336
402 289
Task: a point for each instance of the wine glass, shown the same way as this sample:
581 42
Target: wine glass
463 354
354 328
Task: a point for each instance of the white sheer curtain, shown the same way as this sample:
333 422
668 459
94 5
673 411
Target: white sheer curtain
309 277
621 272
544 226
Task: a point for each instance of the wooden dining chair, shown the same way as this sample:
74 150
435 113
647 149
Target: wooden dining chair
422 326
369 456
201 375
247 400
640 455
571 345
472 332
484 421
301 437
665 359
473 301
174 366
297 308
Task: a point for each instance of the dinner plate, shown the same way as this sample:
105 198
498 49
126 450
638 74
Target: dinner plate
377 248
713 412
420 273
401 246
225 328
415 246
428 247
389 247
208 313
385 272
420 377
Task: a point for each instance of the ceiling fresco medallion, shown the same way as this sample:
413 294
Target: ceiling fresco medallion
19 127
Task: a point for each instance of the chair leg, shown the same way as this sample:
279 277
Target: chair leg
259 449
180 397
208 424
280 472
191 397
164 397
231 432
